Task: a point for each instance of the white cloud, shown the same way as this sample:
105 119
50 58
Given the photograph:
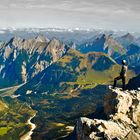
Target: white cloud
120 14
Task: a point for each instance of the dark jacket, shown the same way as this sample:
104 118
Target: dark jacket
124 70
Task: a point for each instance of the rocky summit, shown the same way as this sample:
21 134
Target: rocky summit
104 43
122 109
25 58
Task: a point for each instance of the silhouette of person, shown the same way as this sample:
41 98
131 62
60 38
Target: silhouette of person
122 75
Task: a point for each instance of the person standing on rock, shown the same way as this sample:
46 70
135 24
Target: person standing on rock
122 75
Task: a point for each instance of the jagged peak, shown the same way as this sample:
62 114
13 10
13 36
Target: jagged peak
104 35
73 46
110 40
41 38
101 36
15 39
128 36
123 111
55 40
54 43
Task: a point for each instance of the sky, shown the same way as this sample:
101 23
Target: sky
97 14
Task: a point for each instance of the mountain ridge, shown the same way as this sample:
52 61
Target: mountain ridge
26 58
74 69
105 44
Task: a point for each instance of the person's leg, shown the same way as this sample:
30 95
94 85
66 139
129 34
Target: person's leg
123 83
115 81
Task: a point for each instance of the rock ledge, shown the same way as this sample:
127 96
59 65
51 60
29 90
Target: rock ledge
123 111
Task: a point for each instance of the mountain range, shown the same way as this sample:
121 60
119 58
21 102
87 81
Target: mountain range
123 47
22 59
73 70
38 60
60 80
104 44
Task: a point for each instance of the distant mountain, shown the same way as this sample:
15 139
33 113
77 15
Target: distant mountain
138 40
127 39
122 47
132 57
21 60
73 70
104 44
66 35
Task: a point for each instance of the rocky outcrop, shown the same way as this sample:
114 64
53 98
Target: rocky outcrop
123 111
25 58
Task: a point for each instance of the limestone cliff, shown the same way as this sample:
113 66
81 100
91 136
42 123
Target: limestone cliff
22 59
123 112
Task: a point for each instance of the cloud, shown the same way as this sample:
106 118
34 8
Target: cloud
108 14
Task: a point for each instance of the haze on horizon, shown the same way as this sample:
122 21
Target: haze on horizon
105 14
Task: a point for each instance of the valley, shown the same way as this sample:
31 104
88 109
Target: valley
57 112
27 136
47 84
13 117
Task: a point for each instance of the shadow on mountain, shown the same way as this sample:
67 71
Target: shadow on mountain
134 83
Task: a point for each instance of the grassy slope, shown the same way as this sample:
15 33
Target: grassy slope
91 78
75 71
13 118
57 111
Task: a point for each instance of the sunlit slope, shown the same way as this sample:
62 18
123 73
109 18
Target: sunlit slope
13 117
74 70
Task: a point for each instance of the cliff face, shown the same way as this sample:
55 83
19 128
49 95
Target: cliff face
26 58
123 111
104 44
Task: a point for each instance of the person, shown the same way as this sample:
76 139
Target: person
122 75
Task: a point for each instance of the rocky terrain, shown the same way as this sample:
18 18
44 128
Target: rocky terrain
26 58
13 117
74 71
123 47
63 82
128 39
122 109
104 43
